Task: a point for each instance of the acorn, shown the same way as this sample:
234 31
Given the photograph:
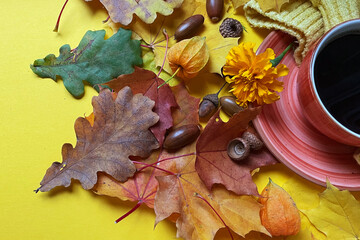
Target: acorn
238 149
229 105
214 9
208 105
189 27
254 142
230 28
181 136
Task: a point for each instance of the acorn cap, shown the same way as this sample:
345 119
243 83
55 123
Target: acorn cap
231 28
238 149
254 142
212 98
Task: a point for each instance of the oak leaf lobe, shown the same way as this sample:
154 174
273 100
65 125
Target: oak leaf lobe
120 130
94 60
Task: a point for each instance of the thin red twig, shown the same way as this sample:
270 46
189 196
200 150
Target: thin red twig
151 165
166 159
58 20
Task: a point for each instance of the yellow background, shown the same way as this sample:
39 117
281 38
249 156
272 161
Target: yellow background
37 118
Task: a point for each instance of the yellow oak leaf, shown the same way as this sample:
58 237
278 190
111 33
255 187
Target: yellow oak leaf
338 214
121 11
267 5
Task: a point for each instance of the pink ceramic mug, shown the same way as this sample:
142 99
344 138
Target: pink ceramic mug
321 85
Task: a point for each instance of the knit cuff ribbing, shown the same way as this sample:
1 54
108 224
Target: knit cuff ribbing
335 11
298 18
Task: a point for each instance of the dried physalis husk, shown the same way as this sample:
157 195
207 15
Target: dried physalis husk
279 214
188 57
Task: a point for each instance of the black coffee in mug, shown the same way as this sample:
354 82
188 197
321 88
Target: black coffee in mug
337 79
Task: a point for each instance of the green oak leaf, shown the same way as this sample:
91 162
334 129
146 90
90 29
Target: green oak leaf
95 60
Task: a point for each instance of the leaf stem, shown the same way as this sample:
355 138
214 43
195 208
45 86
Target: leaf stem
207 202
278 59
167 45
58 20
177 70
146 46
106 20
129 212
166 159
151 165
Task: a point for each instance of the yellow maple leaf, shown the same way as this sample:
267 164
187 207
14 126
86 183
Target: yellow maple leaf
338 214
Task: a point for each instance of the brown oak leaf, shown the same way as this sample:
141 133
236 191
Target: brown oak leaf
147 82
120 130
121 11
201 213
141 188
213 164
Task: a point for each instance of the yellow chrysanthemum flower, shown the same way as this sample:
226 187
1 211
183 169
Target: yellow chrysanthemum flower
252 77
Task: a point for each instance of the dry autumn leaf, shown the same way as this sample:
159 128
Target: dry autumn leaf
141 188
338 214
239 3
121 11
146 82
213 164
218 45
188 57
201 212
187 113
152 34
120 130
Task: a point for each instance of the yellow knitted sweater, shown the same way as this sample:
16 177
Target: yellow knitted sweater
306 20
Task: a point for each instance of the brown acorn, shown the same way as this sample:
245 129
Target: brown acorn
214 9
238 149
229 105
181 136
208 105
254 142
189 27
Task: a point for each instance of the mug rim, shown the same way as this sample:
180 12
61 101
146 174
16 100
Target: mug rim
328 37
